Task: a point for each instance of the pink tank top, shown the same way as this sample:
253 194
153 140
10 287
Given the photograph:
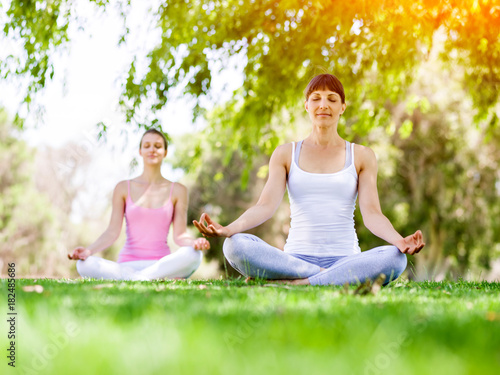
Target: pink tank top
147 230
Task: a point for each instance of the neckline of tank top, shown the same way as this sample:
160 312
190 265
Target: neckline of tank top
343 170
129 196
151 208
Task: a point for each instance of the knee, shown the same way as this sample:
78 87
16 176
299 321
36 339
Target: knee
400 259
233 247
79 266
395 259
194 256
82 266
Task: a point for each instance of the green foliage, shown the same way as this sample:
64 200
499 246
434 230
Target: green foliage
473 44
374 47
283 45
41 27
231 327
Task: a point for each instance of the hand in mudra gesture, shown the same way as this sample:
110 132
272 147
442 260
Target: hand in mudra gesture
201 244
209 228
411 244
80 253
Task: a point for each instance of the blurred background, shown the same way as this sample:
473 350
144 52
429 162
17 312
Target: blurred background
81 80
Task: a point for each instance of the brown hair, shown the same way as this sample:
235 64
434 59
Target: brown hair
325 81
155 131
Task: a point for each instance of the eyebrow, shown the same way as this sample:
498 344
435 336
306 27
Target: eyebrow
156 143
332 94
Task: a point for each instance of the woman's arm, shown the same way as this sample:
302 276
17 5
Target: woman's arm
111 234
181 236
371 211
266 206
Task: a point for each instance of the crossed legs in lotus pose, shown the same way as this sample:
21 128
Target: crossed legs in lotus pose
180 264
253 257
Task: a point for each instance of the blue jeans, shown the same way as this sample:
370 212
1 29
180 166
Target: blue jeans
253 257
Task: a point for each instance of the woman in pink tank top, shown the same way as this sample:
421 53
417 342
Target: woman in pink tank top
150 204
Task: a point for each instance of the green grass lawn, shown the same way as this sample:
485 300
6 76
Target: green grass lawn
229 327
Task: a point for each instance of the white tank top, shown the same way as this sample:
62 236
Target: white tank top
322 209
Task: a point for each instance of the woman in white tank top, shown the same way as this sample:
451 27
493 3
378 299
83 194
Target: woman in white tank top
324 175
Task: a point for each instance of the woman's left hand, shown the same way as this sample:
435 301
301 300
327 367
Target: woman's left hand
201 244
411 244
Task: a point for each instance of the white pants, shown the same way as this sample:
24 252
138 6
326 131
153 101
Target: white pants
180 264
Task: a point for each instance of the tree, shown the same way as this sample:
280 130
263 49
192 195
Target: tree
28 225
438 173
374 47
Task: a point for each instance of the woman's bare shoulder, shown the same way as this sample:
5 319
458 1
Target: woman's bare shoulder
363 151
121 189
122 186
179 192
282 155
364 157
283 152
178 188
284 149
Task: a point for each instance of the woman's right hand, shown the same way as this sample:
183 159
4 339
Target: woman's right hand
211 228
80 253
